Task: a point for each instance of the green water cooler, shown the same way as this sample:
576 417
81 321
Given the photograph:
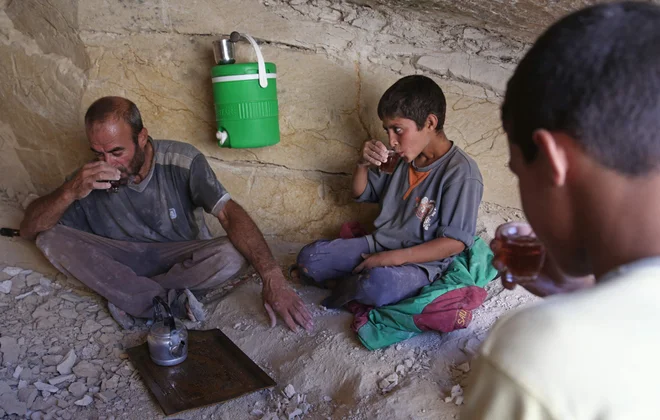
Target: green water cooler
245 97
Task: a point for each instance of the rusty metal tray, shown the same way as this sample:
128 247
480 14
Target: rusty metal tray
215 371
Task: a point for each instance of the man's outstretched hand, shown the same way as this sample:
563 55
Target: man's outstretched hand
281 299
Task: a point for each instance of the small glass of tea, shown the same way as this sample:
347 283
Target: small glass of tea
520 255
392 160
114 184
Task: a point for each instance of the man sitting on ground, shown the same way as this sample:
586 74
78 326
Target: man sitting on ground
150 237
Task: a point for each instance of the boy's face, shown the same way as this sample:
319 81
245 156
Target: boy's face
405 138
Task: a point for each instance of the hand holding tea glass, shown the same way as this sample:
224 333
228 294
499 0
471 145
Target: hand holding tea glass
522 259
375 153
519 255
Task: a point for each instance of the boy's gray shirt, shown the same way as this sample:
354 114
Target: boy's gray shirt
165 207
445 204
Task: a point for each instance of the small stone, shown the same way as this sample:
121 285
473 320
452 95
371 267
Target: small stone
42 311
22 384
77 389
464 367
21 341
42 290
86 370
24 295
17 372
37 415
70 297
12 271
11 405
389 382
41 404
400 370
327 399
27 395
106 396
295 413
408 363
62 404
69 314
448 399
4 388
62 378
5 286
399 347
33 279
84 401
289 391
45 387
45 394
459 400
9 349
256 412
110 383
106 322
456 390
51 359
90 326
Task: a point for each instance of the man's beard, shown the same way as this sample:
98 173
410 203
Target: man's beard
127 174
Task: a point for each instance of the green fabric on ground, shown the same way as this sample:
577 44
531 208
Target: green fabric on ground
394 323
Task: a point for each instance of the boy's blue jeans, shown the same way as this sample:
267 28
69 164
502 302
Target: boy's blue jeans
324 262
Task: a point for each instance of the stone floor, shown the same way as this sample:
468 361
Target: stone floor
64 357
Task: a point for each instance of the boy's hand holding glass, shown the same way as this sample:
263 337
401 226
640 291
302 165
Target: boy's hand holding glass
373 153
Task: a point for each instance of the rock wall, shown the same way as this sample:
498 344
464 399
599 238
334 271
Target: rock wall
334 61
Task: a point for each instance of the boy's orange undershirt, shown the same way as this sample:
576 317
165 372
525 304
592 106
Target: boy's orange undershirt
414 179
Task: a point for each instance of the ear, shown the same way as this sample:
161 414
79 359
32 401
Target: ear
143 137
554 154
431 122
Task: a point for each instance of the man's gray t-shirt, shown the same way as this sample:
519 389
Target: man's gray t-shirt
421 204
166 206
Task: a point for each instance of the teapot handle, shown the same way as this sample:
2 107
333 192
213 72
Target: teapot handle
169 319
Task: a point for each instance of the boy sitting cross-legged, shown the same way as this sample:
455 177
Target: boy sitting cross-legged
428 206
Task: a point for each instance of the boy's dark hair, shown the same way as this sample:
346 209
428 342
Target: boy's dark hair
115 107
594 75
414 98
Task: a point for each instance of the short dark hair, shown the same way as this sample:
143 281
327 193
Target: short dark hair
414 98
594 75
115 107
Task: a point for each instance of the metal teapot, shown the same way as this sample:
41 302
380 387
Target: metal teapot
168 337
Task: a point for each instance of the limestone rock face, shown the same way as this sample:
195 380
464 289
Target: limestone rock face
334 60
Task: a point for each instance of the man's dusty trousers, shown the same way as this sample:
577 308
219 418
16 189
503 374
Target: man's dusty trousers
130 274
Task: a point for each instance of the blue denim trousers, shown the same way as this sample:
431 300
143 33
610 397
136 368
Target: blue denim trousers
330 264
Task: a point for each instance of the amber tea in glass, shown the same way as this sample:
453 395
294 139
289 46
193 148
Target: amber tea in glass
390 165
114 185
520 252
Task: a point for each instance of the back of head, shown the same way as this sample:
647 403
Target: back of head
595 76
115 108
414 98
